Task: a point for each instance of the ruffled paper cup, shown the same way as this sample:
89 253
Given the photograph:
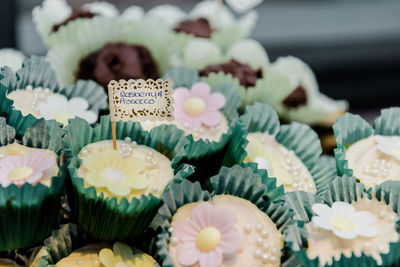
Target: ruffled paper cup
93 34
296 137
206 155
37 72
246 183
351 128
344 189
107 218
30 212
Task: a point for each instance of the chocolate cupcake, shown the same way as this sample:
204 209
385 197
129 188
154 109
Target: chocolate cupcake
118 49
54 15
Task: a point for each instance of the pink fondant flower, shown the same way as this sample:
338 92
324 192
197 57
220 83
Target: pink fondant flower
207 237
198 106
18 170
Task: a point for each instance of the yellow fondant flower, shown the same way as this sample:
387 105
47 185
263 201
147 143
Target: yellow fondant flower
117 173
122 256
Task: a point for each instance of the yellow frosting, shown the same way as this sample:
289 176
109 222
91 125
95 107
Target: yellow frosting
27 100
124 256
280 162
87 256
326 245
205 133
148 170
363 154
258 233
22 171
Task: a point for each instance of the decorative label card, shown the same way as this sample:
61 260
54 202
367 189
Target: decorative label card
140 100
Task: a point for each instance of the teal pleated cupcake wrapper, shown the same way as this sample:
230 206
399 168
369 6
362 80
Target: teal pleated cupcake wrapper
236 181
59 245
352 128
344 189
299 138
37 72
7 133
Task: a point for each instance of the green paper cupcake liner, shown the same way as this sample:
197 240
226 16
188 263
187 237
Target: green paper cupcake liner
36 72
7 133
28 213
236 181
344 189
93 34
106 218
206 155
350 128
299 138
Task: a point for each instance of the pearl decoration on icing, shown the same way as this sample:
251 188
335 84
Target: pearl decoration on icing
154 189
264 233
265 258
273 259
1 156
258 254
265 247
367 245
128 139
381 248
247 228
84 152
381 214
259 227
274 250
96 262
259 241
379 168
79 262
174 241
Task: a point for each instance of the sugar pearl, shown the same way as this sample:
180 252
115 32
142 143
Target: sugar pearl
247 228
258 254
273 259
128 139
274 250
174 240
259 227
259 241
264 233
265 247
79 262
265 258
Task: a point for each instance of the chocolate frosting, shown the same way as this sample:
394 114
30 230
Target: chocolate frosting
246 75
297 98
198 27
117 61
76 14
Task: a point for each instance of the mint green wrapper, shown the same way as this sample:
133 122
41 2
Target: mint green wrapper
245 183
297 137
344 189
29 212
106 218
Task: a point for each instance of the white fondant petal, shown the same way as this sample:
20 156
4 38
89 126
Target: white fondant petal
168 14
89 116
135 13
345 235
367 231
322 222
321 209
102 8
78 104
342 208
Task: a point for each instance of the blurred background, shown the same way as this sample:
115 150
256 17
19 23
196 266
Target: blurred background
353 46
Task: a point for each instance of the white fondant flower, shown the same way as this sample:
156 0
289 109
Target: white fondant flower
61 109
344 221
11 58
389 145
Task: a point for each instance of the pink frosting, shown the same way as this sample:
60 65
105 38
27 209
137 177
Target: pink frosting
214 102
35 160
203 216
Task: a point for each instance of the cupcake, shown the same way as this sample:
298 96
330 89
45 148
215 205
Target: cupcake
204 114
235 223
69 247
291 153
33 93
120 188
104 49
370 154
346 226
208 19
31 183
53 16
12 58
244 64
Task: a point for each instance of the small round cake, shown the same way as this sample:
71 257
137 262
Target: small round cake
42 103
375 159
20 164
197 111
132 171
365 226
280 162
87 256
226 231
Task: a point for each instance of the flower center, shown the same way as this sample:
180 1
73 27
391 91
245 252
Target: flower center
20 173
208 239
194 106
264 163
62 116
122 264
342 223
113 176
